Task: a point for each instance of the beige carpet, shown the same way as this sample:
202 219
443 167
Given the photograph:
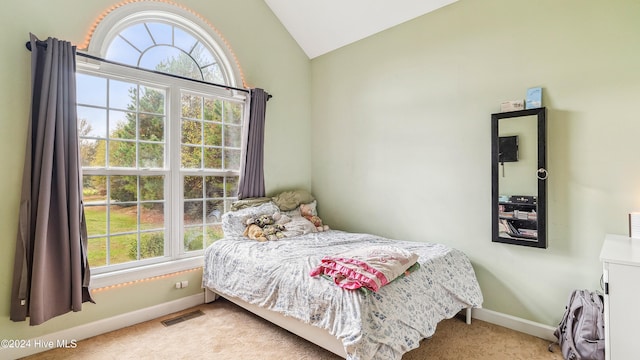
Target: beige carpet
228 332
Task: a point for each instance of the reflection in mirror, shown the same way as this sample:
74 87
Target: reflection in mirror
518 151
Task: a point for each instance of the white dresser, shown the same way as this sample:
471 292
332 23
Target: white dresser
620 256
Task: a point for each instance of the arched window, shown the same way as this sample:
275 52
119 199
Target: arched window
160 154
167 48
163 37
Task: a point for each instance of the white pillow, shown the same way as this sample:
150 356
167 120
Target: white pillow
234 222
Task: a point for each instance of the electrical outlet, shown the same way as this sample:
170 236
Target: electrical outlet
184 283
178 285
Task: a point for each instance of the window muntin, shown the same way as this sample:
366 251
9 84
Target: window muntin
127 147
167 48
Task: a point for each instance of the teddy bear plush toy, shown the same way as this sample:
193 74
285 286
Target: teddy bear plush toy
265 227
308 211
253 231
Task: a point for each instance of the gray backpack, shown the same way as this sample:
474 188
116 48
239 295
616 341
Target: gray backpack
581 331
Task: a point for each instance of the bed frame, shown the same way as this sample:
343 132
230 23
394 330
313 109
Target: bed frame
308 332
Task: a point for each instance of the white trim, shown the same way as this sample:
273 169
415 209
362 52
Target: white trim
144 272
515 323
85 331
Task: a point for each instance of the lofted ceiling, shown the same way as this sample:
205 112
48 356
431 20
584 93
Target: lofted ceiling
320 26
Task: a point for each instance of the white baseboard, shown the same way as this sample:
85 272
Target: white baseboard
41 343
515 323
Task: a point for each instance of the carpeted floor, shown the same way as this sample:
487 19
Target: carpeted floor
228 332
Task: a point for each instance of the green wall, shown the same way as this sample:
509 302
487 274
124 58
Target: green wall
401 136
269 58
392 133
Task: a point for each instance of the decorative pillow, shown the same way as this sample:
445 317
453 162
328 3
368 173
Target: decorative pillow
249 202
235 222
289 200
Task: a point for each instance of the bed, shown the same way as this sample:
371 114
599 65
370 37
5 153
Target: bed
272 279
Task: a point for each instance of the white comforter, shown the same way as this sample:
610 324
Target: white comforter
380 325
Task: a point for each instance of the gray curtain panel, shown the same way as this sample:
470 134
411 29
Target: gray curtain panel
51 271
251 182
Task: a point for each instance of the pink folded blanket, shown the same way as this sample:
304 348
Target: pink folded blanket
370 267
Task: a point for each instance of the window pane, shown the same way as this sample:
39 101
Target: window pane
193 187
183 40
120 51
233 113
212 158
213 110
191 132
212 134
191 157
232 159
100 156
91 90
161 33
123 95
151 188
193 238
89 151
122 154
151 216
202 55
151 156
123 218
96 219
215 208
123 188
137 35
96 121
214 186
123 248
232 186
232 136
193 212
152 100
151 127
94 189
122 125
191 106
213 74
160 57
97 251
170 60
151 244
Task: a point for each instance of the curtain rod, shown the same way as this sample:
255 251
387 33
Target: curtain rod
44 44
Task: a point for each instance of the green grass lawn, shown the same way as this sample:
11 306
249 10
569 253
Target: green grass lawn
121 221
123 248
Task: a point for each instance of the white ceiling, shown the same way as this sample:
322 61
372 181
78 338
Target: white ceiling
320 26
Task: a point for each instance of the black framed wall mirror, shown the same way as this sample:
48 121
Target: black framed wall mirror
519 177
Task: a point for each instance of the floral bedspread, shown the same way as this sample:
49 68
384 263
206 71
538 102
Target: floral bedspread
376 325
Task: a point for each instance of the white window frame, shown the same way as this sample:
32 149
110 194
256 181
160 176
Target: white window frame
175 259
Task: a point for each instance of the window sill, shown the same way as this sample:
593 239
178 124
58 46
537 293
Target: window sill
144 272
